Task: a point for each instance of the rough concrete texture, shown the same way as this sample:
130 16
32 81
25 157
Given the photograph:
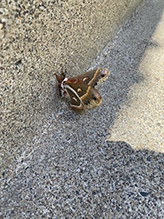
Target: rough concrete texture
141 121
70 170
36 37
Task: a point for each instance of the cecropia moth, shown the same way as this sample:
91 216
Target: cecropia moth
81 89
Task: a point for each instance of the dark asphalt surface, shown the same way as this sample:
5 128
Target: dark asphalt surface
72 171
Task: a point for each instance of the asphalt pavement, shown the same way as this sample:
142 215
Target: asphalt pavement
100 164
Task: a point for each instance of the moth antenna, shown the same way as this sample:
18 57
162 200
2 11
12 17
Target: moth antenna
58 78
63 73
61 70
58 84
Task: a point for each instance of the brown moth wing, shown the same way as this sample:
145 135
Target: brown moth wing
93 99
92 77
82 96
75 101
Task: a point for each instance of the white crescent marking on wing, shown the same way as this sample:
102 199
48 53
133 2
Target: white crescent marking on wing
68 87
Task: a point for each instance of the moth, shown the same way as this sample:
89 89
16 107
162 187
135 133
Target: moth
81 89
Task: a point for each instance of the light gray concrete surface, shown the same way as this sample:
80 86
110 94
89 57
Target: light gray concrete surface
141 120
35 39
70 170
